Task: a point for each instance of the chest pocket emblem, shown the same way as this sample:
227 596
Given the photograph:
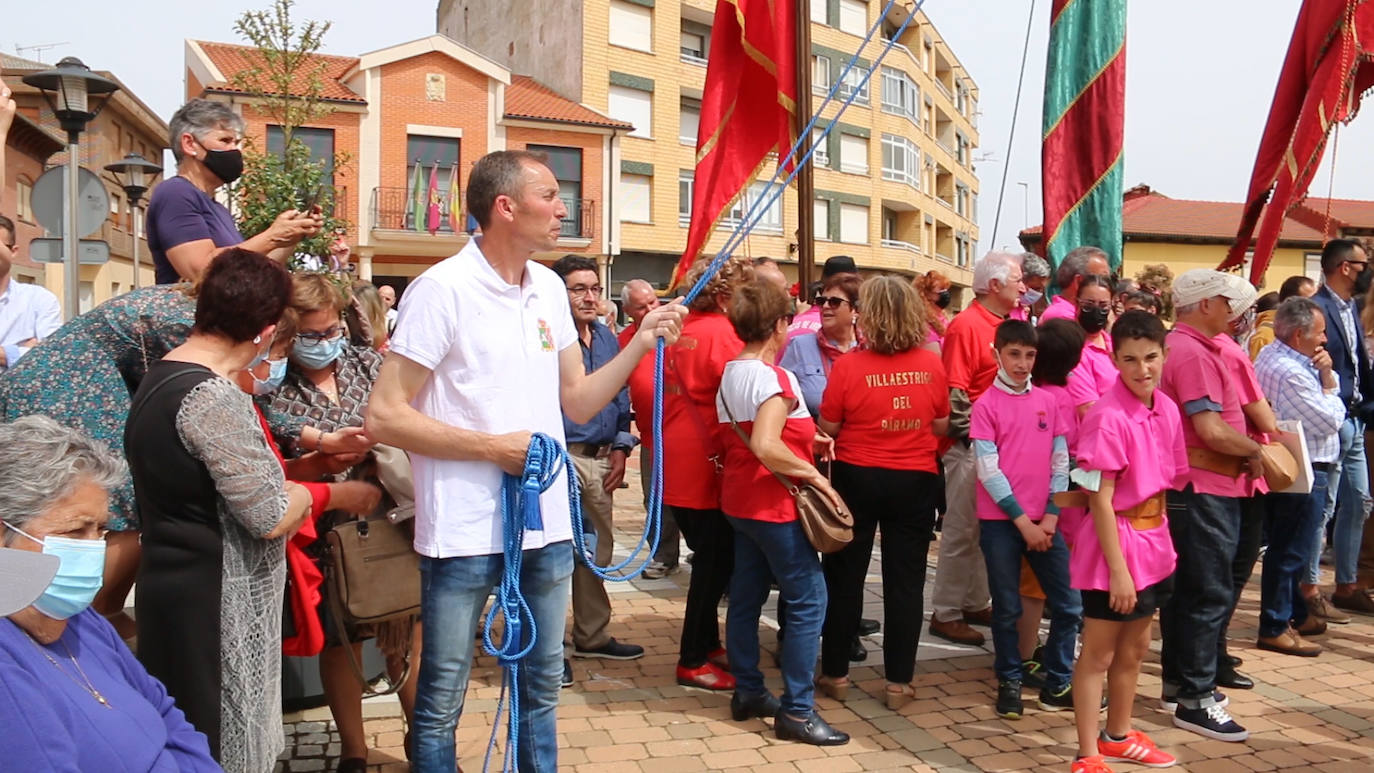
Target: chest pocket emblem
545 336
1043 424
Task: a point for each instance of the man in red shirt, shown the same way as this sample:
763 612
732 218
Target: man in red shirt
961 581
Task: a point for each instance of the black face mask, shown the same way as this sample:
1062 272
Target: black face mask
227 165
1093 319
943 299
1363 280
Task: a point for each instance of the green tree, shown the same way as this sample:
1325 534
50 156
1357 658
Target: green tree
287 86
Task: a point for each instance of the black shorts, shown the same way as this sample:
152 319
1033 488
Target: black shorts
1097 603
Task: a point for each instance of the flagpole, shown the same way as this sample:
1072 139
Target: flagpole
806 187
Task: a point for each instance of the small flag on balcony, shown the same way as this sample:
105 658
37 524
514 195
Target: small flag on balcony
455 209
417 199
432 218
746 109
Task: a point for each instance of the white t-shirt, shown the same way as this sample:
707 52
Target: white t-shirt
493 350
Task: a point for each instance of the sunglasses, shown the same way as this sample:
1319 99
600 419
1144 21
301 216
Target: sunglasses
831 301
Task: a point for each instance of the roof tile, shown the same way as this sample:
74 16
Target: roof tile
1157 215
230 58
529 99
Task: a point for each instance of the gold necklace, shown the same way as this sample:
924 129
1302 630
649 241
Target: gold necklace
88 686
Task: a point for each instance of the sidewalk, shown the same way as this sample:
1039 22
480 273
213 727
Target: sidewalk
1305 714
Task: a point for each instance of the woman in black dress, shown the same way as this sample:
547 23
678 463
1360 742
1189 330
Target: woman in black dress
216 510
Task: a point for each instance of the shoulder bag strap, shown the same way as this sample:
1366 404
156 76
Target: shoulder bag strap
786 484
336 612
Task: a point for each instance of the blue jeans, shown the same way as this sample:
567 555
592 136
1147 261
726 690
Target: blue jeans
1205 529
453 592
1003 546
1291 520
764 552
1349 485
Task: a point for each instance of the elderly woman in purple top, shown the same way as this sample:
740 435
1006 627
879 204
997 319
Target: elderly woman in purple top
186 226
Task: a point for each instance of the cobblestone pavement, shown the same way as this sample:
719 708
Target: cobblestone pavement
1305 714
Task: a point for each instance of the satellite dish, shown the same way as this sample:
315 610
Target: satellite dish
92 200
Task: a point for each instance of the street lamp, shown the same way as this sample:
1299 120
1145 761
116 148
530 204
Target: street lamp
135 174
76 95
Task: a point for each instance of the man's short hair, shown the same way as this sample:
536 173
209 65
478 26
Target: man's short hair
8 225
1295 315
1267 302
500 173
630 286
1033 265
1075 264
1336 253
569 264
1014 331
994 265
1137 324
1294 285
839 264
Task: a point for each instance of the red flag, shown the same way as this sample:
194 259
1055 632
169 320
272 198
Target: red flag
1327 69
746 108
435 200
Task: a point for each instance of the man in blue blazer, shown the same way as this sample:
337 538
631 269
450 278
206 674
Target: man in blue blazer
1346 277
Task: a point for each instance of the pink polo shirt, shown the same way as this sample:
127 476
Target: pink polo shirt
1242 373
1023 427
1144 447
1196 373
1059 308
1094 374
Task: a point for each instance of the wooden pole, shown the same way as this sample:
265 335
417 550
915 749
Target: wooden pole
806 187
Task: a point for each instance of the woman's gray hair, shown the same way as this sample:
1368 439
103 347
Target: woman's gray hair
1295 315
42 461
1033 265
198 118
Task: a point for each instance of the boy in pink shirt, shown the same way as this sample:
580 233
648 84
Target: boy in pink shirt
1131 449
1022 459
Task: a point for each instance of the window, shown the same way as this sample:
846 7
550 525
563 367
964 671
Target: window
116 209
85 297
634 107
1312 266
143 222
631 26
961 147
684 197
822 155
853 154
901 161
432 155
24 193
820 74
818 11
696 42
820 214
566 165
854 81
961 200
319 141
854 223
900 95
854 17
689 118
771 219
635 198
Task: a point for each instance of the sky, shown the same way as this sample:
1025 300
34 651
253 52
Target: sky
1200 78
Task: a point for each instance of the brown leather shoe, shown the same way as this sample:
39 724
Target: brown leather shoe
1320 606
1289 643
1354 601
956 631
1312 626
982 617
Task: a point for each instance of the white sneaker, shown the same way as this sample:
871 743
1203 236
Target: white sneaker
657 571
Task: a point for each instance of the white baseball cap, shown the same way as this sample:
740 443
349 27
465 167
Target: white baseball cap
24 575
1199 284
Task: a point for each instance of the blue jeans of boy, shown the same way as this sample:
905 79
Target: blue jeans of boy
453 592
1003 546
1293 521
765 551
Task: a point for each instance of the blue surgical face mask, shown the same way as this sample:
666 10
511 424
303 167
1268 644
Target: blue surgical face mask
317 355
79 575
275 375
260 356
1030 297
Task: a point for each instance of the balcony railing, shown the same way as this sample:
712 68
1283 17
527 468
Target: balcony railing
691 57
394 209
581 219
944 257
901 245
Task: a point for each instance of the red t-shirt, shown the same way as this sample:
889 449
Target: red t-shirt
970 363
624 336
691 375
884 404
748 489
641 384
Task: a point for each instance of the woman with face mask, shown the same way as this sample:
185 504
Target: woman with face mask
1095 373
186 225
72 696
934 289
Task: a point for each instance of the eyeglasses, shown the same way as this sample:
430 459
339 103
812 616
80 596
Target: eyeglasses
831 301
576 290
309 337
1361 263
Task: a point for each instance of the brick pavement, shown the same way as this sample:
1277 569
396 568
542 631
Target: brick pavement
1305 714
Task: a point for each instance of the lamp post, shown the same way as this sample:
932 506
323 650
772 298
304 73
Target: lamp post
75 95
135 174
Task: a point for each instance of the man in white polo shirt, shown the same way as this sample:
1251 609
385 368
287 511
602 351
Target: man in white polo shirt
488 355
28 313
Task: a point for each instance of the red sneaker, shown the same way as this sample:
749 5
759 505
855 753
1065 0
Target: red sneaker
1090 765
720 658
1137 748
707 676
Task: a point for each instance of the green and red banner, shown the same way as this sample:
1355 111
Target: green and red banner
1084 123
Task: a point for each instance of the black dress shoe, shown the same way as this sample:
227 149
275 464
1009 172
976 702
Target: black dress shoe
1228 676
1232 661
858 653
869 626
763 706
812 730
